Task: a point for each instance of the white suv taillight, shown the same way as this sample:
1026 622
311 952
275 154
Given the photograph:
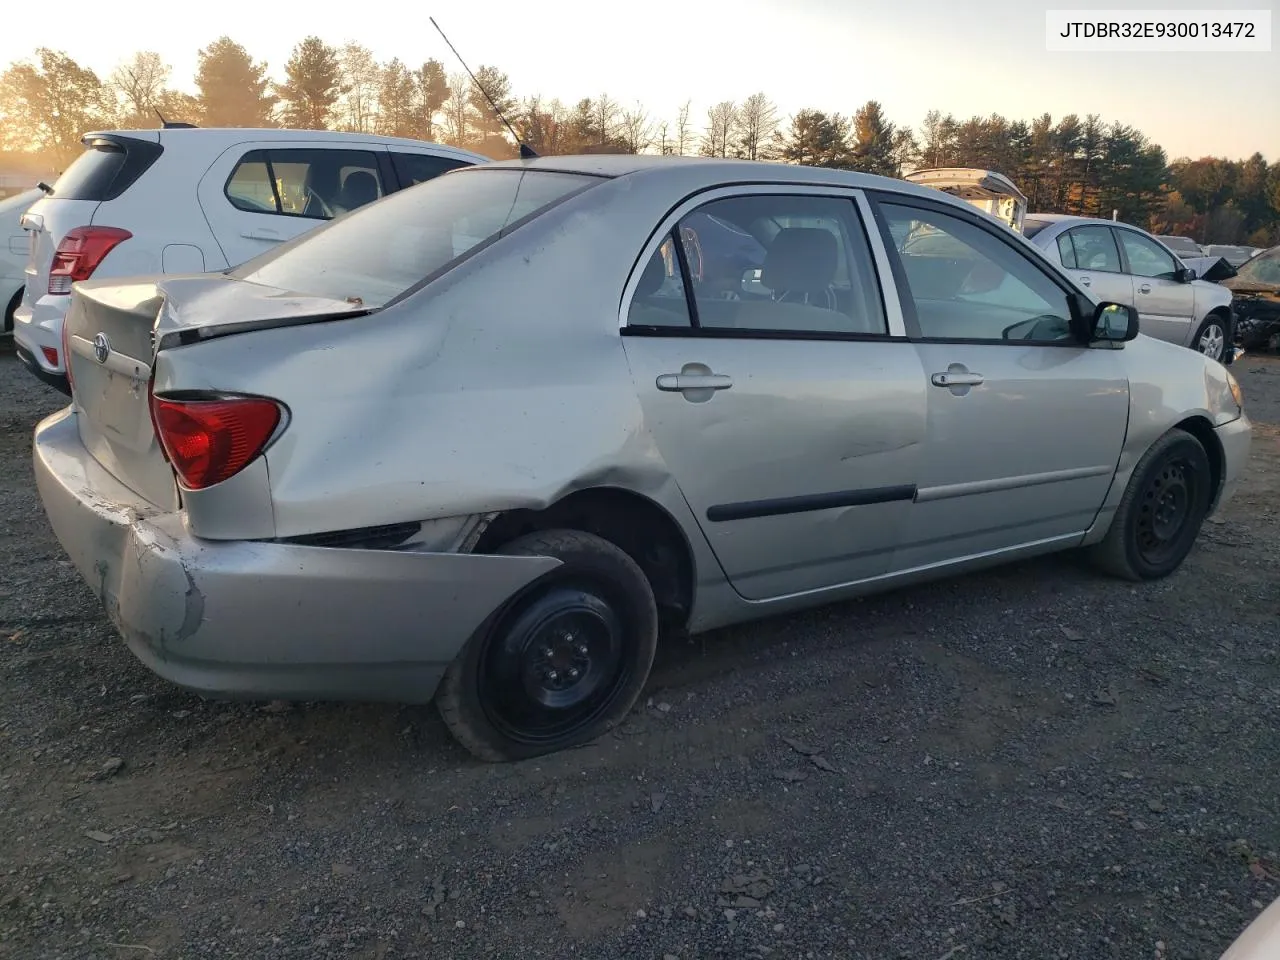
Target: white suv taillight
79 254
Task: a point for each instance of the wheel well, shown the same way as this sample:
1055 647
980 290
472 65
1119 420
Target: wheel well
1222 313
635 524
9 309
1202 430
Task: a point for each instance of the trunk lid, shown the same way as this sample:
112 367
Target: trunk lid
989 191
114 330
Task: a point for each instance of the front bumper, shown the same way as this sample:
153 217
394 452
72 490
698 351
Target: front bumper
1236 438
253 619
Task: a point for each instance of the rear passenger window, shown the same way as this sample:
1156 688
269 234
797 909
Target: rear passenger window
314 183
772 263
1095 249
660 299
415 168
1066 252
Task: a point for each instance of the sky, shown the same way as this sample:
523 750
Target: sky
959 56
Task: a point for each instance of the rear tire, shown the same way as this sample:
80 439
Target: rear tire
1161 512
1211 338
560 664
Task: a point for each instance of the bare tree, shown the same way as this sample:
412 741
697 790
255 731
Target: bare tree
604 117
458 110
722 123
361 76
140 83
637 129
757 123
665 147
682 130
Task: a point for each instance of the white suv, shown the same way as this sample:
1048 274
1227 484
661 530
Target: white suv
188 200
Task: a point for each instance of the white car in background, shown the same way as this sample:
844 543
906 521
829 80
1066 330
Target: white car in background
1118 262
187 200
14 250
988 190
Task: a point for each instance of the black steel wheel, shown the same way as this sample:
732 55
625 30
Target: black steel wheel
1163 508
563 661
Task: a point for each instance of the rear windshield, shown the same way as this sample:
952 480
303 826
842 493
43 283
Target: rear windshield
378 252
106 169
1031 227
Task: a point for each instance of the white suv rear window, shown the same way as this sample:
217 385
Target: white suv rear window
380 251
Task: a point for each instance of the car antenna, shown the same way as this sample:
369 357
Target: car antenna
526 152
172 126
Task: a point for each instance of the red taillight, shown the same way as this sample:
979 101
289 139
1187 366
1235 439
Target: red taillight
79 254
51 355
208 441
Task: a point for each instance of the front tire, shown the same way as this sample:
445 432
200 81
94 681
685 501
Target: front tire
1211 338
1161 513
560 664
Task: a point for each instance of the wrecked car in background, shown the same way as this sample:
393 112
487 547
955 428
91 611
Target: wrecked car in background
483 440
1256 288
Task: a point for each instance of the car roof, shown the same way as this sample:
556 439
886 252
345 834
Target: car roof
712 171
1070 220
221 137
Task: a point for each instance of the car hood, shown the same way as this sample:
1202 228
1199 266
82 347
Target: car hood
1239 285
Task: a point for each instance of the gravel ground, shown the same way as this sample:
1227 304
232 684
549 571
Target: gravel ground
1034 762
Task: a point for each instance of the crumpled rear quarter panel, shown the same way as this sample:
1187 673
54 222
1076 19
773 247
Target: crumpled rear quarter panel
503 384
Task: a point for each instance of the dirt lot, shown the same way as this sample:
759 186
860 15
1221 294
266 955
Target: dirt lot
1034 762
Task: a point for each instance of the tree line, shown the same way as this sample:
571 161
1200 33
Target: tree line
1075 165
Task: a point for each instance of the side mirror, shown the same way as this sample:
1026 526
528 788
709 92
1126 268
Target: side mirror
1185 274
1114 322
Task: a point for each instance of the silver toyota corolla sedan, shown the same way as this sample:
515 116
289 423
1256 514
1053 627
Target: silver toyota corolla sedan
485 440
1121 263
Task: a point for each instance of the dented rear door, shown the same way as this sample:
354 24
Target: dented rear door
797 450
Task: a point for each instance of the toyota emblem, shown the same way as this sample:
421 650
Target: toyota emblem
101 347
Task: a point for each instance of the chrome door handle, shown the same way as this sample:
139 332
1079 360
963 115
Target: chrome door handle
957 379
1145 288
677 382
260 233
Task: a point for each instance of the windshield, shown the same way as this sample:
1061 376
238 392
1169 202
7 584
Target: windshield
1031 227
1264 268
378 252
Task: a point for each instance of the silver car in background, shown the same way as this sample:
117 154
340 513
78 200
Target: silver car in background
485 439
1119 262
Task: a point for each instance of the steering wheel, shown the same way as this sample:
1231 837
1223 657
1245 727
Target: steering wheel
324 207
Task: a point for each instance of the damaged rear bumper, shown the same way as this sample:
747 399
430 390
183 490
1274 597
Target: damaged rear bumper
246 619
